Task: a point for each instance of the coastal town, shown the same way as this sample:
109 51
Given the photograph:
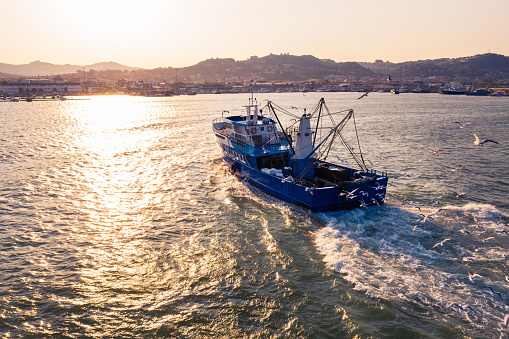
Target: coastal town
482 75
32 89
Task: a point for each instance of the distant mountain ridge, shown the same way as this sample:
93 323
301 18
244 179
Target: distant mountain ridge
481 65
36 68
285 67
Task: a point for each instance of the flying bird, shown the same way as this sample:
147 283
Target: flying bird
493 292
478 141
472 276
506 320
415 227
462 125
441 243
463 308
435 151
426 217
430 216
364 95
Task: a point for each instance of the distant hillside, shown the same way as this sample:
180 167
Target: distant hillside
270 68
482 65
489 68
44 69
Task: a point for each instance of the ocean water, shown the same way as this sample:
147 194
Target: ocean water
119 220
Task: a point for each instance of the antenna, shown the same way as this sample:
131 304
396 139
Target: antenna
251 89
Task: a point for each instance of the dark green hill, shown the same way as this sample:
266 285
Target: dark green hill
483 65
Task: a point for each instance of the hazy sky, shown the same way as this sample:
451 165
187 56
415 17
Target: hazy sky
162 33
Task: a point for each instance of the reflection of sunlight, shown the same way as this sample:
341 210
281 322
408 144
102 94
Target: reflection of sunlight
116 178
111 112
104 118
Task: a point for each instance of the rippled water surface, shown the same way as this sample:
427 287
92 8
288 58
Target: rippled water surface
118 219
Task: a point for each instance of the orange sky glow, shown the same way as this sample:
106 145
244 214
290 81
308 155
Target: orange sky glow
160 33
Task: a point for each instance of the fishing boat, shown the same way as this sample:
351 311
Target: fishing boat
452 91
479 92
291 163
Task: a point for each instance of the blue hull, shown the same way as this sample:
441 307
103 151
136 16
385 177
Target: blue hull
325 199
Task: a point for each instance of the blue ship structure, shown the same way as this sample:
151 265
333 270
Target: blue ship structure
291 163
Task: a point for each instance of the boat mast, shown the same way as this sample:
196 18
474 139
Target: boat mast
252 106
321 103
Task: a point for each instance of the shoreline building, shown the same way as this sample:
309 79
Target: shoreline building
35 87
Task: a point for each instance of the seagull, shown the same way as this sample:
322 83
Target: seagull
501 231
435 151
310 190
351 195
472 276
462 125
471 308
507 278
364 95
426 217
479 226
486 239
429 216
494 293
477 248
293 107
506 320
441 243
465 231
478 141
366 194
462 308
468 259
288 178
458 306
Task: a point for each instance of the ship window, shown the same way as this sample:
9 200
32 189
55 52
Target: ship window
261 128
